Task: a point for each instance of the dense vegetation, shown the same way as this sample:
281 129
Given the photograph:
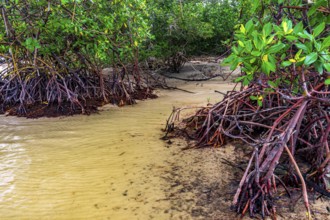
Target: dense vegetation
192 27
55 50
282 108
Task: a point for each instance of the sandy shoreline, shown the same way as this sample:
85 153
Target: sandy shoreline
203 181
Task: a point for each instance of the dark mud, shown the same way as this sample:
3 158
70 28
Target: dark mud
202 183
67 109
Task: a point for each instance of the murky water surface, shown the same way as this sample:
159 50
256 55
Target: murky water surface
103 166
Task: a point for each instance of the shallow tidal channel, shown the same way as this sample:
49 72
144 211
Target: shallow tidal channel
104 166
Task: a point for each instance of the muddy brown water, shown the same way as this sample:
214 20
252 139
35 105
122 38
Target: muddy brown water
103 166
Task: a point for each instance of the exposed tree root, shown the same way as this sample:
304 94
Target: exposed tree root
281 128
26 90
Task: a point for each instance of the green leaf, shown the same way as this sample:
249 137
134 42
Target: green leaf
318 30
325 56
256 53
249 26
286 63
317 46
311 11
253 60
309 36
270 39
229 59
64 2
291 37
248 45
255 6
276 48
301 59
303 35
242 29
246 81
267 67
326 43
302 46
318 66
240 78
298 28
255 34
272 66
241 43
258 43
267 29
235 51
327 66
247 67
327 82
272 84
272 59
285 26
259 103
234 64
31 44
297 55
252 97
310 58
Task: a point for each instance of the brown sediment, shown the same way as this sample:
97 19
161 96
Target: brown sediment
203 181
90 106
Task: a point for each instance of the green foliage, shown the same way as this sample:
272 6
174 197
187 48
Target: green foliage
117 31
102 31
266 46
258 99
327 82
31 44
191 26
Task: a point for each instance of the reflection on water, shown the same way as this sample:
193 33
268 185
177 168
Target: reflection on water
104 166
13 162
